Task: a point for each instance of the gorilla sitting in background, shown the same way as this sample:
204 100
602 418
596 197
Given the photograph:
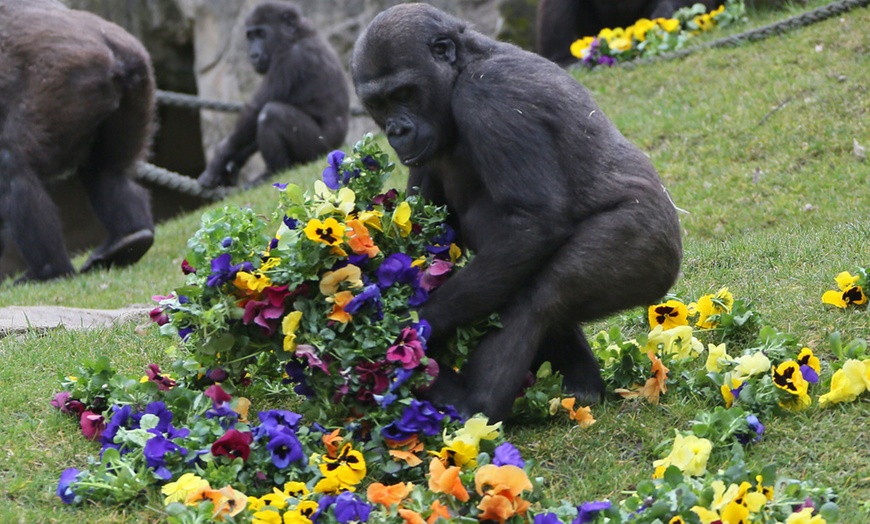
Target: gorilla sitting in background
568 221
76 96
561 22
302 108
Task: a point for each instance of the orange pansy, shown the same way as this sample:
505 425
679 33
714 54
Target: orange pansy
388 495
446 480
360 241
342 298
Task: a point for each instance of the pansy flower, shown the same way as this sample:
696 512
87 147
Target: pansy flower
583 415
233 444
388 495
342 202
339 301
716 357
329 232
402 218
689 453
177 491
350 508
369 296
333 174
787 376
64 485
288 327
360 241
850 292
446 480
848 382
587 511
654 387
436 274
92 425
347 277
302 513
222 270
507 454
408 350
458 453
163 382
284 447
155 451
668 315
500 487
710 307
348 468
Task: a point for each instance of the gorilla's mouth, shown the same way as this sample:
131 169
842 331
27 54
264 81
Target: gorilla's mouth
417 159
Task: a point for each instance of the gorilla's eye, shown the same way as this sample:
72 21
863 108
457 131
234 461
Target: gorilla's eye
255 33
403 95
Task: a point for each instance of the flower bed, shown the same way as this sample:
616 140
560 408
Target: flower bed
646 38
299 358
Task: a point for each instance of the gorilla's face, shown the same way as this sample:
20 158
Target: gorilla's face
405 83
259 47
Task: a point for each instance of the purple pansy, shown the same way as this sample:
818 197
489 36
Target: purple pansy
588 510
222 270
64 486
370 294
332 174
155 452
350 508
809 374
408 349
436 274
419 417
291 223
284 447
397 268
507 454
547 518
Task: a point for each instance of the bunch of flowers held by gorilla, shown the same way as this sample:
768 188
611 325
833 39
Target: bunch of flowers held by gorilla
324 302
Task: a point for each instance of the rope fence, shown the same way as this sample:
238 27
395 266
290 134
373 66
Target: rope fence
177 182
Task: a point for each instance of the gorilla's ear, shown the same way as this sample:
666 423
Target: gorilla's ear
443 48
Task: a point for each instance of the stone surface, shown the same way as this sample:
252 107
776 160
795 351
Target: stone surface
18 319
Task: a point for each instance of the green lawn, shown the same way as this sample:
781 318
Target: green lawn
755 142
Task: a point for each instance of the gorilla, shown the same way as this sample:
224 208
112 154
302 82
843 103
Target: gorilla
567 220
76 96
561 22
302 108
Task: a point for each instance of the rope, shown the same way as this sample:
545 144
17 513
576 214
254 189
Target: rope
182 100
760 33
180 183
163 177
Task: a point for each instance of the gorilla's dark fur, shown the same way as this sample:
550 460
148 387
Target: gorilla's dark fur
302 108
76 96
568 220
561 22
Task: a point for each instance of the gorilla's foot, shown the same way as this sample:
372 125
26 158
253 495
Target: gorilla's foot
587 392
121 252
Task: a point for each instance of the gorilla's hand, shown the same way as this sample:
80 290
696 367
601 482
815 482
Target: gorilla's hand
219 173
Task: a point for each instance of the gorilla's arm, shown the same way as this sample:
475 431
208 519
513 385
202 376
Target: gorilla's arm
520 216
234 150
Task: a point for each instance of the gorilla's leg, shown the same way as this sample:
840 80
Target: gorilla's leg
287 136
581 282
32 218
121 205
571 355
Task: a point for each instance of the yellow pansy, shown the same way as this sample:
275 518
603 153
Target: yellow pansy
847 383
343 202
329 232
677 342
668 315
332 281
805 516
748 365
670 25
177 491
716 355
579 47
476 428
402 218
254 283
689 454
289 326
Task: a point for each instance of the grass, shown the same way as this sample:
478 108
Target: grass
755 142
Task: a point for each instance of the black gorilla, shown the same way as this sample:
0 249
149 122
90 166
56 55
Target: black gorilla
302 108
568 221
561 22
76 96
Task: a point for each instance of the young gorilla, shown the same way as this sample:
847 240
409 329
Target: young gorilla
302 108
76 95
568 221
561 22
